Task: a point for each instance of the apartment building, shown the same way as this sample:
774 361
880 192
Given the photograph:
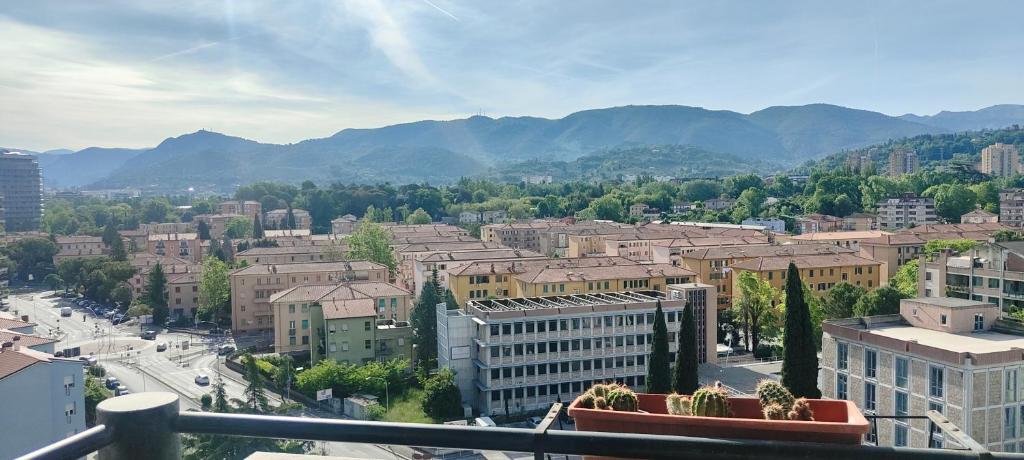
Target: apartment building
169 227
293 321
184 245
555 280
404 230
521 235
845 239
290 254
183 293
350 333
425 266
252 287
217 223
522 354
858 222
278 219
1011 207
70 247
719 204
769 223
655 248
908 210
715 265
481 280
902 161
944 354
819 272
991 272
813 223
895 249
482 217
344 225
406 255
22 192
43 398
1000 160
249 209
979 216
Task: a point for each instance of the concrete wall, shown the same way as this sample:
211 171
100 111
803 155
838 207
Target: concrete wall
33 401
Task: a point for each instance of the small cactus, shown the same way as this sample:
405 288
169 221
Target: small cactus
601 403
601 390
622 399
770 391
801 411
711 401
678 404
775 411
586 400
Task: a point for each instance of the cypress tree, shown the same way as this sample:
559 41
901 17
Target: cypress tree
658 376
800 361
423 319
204 230
257 227
156 285
290 219
684 380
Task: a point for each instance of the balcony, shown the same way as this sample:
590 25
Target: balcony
149 426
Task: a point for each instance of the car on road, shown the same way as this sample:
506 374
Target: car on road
149 335
111 383
65 311
162 346
109 314
533 421
202 379
120 390
89 360
225 350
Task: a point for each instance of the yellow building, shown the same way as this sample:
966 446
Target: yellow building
820 272
546 281
480 280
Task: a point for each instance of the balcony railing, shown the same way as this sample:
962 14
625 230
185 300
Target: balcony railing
149 425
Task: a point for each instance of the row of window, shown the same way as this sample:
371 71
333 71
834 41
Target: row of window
574 324
531 370
528 349
901 374
566 388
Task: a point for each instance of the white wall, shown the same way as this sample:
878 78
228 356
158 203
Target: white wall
32 404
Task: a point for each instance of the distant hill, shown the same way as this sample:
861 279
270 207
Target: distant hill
83 167
441 151
994 117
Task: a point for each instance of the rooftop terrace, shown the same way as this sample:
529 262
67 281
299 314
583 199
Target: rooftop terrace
561 301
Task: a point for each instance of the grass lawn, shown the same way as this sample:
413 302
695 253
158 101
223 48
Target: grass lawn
408 408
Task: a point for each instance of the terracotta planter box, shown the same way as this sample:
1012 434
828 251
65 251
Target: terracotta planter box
835 422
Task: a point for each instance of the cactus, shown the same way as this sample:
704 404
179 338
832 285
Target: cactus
622 399
678 404
775 411
586 400
601 390
801 411
770 391
711 402
601 403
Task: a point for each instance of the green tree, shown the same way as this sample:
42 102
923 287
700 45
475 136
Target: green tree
138 309
32 257
659 380
227 248
753 200
800 362
94 394
882 301
257 228
372 242
155 296
952 200
839 301
442 399
117 250
214 290
735 185
905 279
122 294
959 246
423 319
54 281
204 230
755 307
110 235
255 390
418 217
238 228
606 208
289 219
684 379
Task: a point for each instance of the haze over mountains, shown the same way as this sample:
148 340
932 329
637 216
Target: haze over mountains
442 151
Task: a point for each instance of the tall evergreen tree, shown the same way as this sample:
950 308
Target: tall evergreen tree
800 361
117 250
110 235
228 248
659 379
204 230
156 285
255 392
424 324
290 219
257 227
684 379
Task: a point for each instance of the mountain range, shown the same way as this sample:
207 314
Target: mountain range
443 151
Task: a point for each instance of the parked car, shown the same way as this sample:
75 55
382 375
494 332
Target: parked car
65 311
89 360
202 379
120 390
225 350
111 383
162 346
149 335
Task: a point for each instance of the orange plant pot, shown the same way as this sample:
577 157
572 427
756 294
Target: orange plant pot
835 422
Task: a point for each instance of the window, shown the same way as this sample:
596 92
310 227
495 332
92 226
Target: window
841 386
869 396
942 319
842 356
979 322
935 378
291 340
900 436
1009 423
901 372
993 283
366 325
305 324
870 364
1010 394
305 340
291 308
901 405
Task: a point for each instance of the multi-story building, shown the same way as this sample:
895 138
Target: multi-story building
291 254
293 322
43 398
406 255
990 272
944 354
1011 207
217 223
278 219
349 332
769 223
344 225
183 293
22 191
719 204
1000 160
979 216
246 208
522 354
813 223
168 227
558 280
69 247
425 266
482 217
819 272
182 245
895 249
481 280
846 239
522 235
657 248
858 222
902 161
252 287
906 211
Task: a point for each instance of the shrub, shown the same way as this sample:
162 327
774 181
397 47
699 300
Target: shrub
206 401
97 371
442 398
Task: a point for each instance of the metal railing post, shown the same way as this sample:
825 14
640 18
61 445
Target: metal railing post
143 426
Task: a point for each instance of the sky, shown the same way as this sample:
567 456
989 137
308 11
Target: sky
131 73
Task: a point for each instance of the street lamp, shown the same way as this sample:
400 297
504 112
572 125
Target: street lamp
387 396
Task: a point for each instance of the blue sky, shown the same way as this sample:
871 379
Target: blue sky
132 73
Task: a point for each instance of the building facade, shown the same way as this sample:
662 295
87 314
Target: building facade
69 247
908 210
249 209
1000 160
21 186
943 354
518 355
979 216
819 272
182 245
1011 207
344 225
770 224
902 161
278 219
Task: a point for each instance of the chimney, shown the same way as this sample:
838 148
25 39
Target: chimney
7 345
